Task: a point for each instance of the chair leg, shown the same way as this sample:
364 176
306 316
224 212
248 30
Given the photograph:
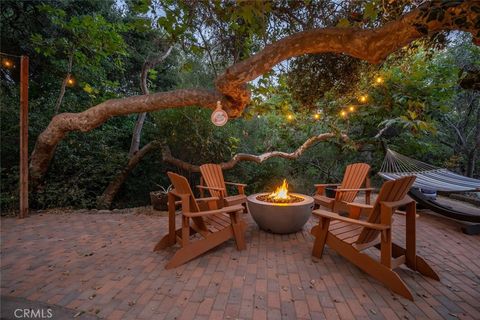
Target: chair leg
245 208
168 240
238 231
420 264
320 232
369 265
196 248
165 242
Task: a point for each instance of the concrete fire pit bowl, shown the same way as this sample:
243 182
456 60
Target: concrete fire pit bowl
280 217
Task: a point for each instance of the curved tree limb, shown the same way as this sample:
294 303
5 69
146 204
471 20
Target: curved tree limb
91 118
105 200
372 45
167 156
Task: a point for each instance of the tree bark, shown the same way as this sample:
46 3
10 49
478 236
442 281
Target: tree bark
372 45
137 130
105 200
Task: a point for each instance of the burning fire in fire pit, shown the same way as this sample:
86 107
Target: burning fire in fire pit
280 195
280 211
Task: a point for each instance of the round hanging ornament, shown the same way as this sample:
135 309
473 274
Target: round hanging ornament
219 117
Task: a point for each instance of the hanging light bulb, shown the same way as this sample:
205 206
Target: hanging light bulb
71 81
7 63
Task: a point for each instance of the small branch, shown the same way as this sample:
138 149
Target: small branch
209 53
385 128
457 131
64 84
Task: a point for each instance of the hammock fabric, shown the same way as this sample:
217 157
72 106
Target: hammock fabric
429 177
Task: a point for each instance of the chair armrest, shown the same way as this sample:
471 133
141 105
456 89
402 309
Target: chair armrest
320 187
355 209
359 189
359 205
335 216
326 184
393 205
236 184
208 199
229 209
211 188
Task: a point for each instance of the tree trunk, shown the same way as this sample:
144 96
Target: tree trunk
134 154
137 131
372 45
471 162
105 200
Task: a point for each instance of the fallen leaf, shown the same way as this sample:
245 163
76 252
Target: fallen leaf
78 314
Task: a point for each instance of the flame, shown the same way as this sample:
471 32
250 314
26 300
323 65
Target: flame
281 193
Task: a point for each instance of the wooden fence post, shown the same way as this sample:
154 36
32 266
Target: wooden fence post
23 136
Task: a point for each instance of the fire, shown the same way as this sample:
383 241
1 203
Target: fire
281 193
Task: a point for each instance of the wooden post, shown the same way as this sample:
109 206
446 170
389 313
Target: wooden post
23 136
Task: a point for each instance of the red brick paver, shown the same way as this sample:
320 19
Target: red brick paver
104 265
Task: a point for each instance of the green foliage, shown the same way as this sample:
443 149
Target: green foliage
108 55
426 95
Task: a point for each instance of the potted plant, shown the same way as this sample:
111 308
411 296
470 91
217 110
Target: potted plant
159 198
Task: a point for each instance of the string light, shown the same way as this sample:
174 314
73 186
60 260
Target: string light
70 81
351 108
316 116
363 99
7 63
379 80
289 117
343 113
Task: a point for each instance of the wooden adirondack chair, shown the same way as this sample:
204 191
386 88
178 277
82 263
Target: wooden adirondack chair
355 176
201 216
212 177
349 237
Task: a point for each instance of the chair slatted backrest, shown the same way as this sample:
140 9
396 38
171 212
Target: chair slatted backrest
182 187
355 175
213 176
391 191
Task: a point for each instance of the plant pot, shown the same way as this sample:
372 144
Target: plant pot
330 191
159 200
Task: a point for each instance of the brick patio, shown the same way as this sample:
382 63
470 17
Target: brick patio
103 264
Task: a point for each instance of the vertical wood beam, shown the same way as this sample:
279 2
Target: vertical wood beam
411 240
24 208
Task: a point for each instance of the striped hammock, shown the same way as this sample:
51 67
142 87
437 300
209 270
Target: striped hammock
429 177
